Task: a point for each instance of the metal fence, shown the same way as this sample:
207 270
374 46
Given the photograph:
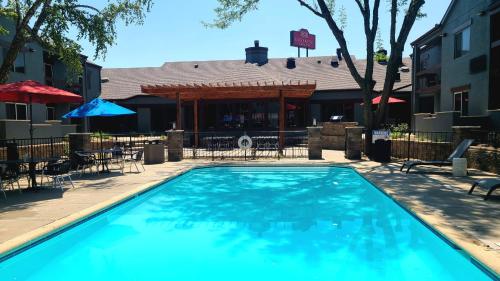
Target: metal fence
133 141
257 144
428 146
40 148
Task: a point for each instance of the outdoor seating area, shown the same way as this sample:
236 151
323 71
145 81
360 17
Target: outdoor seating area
59 170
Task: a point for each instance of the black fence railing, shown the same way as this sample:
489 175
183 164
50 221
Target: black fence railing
487 138
134 141
428 146
245 145
38 148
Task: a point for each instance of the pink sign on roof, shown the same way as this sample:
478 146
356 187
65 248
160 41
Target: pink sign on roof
303 39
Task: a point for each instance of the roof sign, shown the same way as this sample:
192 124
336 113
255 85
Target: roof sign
302 39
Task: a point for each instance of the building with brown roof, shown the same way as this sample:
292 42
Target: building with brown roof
243 94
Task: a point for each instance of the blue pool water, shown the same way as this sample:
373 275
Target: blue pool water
249 223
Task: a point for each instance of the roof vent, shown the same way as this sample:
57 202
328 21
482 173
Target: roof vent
404 69
319 61
256 54
196 65
334 62
290 63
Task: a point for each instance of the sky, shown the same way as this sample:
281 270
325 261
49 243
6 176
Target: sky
173 31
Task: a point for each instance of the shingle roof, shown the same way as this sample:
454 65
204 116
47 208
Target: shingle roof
125 83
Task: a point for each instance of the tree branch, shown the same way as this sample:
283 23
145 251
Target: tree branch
314 11
18 12
86 7
360 6
41 18
394 12
339 36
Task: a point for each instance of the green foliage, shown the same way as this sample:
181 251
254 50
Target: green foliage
399 130
230 11
381 57
53 21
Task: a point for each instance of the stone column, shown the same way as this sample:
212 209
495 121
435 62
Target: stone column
463 132
79 142
175 145
353 143
314 143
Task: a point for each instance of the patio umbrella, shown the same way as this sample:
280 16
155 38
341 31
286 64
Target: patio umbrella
30 92
391 100
98 107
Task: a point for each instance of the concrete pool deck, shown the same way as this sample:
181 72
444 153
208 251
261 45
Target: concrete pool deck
438 198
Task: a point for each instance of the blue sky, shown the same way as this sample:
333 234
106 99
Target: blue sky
173 31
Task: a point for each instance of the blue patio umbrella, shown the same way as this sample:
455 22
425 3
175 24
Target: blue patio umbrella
98 107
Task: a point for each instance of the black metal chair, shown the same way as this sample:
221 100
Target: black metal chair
136 158
9 175
58 171
83 161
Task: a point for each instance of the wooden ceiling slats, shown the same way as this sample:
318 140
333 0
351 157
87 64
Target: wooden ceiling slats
221 91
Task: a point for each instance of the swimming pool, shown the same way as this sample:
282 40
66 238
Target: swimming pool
249 223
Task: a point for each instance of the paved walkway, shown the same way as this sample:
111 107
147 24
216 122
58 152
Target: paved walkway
436 197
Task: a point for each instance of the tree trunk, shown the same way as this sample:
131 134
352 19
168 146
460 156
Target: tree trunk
16 46
368 118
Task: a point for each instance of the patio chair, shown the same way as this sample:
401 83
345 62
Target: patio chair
9 176
118 157
487 184
58 171
457 153
84 161
136 158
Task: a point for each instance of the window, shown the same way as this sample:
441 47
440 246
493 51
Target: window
462 42
19 65
16 111
49 74
426 104
461 102
51 113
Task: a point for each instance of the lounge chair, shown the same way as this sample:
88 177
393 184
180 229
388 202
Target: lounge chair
457 153
487 184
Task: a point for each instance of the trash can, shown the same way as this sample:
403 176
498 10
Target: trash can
154 153
459 167
381 151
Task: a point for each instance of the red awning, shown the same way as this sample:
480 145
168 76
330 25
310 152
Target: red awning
391 100
21 92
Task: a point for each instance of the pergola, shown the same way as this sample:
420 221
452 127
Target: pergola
231 91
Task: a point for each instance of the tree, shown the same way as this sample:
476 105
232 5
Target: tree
49 21
230 11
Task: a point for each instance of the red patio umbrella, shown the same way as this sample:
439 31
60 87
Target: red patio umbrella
34 92
391 100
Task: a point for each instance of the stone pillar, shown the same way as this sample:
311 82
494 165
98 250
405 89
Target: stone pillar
175 145
314 143
333 134
354 137
79 142
463 132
